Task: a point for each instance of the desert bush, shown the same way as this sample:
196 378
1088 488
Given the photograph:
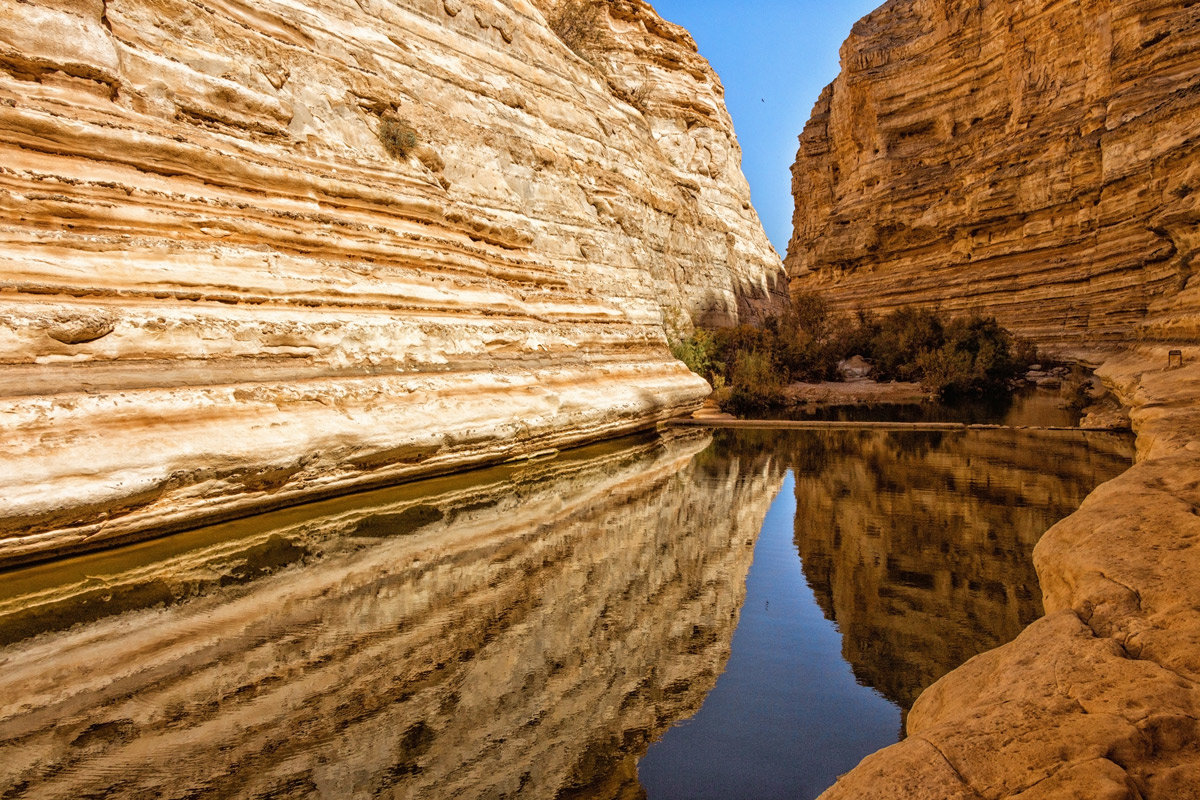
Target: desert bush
1025 352
965 356
754 385
398 137
976 358
577 24
896 341
699 352
809 313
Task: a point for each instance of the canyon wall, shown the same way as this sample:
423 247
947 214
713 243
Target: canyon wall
1035 160
1101 697
520 631
1038 161
220 292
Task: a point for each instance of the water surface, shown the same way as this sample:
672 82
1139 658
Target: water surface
754 737
1045 408
744 614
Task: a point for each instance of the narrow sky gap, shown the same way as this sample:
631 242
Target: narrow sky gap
774 57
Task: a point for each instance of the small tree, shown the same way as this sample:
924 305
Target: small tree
577 23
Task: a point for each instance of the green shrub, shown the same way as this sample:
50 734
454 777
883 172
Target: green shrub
754 385
969 355
699 352
809 313
398 137
976 358
896 342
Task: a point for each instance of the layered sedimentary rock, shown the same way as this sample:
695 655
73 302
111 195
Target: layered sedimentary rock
524 631
919 546
1037 161
219 292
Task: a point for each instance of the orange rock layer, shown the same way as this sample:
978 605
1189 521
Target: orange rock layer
1035 160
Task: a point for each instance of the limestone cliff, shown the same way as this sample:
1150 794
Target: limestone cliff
1036 160
220 292
520 632
1039 161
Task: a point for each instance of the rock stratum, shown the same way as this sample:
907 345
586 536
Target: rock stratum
1037 160
219 293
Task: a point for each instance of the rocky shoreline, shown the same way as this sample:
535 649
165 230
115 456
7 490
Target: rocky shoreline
1101 697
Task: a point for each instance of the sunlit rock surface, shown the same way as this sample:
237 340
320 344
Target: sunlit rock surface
1035 160
1039 162
524 631
219 293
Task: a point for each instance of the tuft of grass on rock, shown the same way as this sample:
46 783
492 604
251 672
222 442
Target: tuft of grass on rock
398 137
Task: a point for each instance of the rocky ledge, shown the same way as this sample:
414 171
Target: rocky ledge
221 292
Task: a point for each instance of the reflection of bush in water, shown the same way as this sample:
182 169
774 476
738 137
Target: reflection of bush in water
754 450
812 452
402 523
915 443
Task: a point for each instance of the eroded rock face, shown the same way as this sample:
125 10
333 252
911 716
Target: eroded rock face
521 631
1099 698
1038 161
218 292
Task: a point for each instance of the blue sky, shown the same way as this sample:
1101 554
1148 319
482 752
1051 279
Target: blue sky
774 57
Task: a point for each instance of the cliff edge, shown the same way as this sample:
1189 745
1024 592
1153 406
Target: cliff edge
258 252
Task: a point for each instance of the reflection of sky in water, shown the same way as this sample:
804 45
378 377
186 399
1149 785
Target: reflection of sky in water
787 716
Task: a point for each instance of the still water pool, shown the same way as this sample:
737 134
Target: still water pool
739 614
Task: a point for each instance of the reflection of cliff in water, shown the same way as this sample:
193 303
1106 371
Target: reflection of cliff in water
526 630
920 546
